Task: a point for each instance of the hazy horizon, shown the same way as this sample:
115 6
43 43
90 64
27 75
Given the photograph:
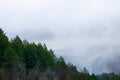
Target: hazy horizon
86 33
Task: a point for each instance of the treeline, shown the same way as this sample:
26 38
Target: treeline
21 60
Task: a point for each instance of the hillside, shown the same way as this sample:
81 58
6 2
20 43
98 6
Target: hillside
21 60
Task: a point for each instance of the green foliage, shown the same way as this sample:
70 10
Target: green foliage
84 74
17 46
3 45
30 57
93 77
110 76
18 57
74 74
61 63
10 58
47 58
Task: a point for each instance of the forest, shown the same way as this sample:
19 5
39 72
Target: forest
21 60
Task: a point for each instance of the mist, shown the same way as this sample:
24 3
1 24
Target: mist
86 33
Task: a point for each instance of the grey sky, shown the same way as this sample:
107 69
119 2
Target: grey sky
84 32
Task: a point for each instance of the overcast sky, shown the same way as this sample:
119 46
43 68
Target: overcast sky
85 32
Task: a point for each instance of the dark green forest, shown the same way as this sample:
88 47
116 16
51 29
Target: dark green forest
21 60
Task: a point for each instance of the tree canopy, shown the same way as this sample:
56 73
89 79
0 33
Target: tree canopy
21 60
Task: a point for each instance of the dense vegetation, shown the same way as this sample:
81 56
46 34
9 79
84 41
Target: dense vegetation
21 60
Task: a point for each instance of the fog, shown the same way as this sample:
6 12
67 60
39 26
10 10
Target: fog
86 33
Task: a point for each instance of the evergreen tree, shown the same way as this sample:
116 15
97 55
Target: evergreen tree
18 47
4 43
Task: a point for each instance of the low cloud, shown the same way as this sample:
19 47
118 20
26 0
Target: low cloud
97 59
86 33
